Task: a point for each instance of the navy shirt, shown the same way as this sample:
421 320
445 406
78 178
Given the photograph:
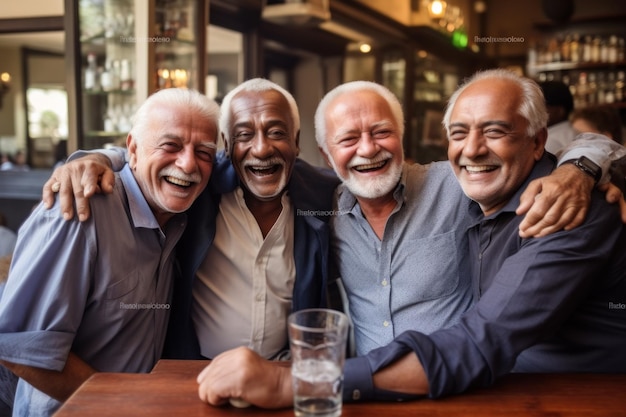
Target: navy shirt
563 294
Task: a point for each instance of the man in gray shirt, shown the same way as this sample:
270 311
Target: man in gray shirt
102 288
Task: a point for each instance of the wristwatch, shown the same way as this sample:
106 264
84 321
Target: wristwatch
587 166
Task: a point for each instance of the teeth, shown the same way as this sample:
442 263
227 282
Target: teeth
479 168
370 166
261 168
178 181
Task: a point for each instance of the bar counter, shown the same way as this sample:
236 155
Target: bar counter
171 390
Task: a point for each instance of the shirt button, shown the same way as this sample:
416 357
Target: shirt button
384 282
259 297
356 394
386 323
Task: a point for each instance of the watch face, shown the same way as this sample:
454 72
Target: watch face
589 167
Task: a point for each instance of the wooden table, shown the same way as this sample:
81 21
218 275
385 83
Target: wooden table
171 390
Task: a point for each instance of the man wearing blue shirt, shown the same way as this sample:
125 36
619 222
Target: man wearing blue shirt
102 288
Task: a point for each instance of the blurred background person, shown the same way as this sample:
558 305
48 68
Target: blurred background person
560 103
598 119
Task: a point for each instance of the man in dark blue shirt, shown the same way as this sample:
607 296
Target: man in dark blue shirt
550 304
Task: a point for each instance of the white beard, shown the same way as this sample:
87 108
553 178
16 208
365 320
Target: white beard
371 188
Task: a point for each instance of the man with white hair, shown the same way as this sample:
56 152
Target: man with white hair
92 296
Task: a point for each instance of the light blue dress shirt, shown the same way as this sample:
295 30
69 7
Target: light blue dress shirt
100 288
416 277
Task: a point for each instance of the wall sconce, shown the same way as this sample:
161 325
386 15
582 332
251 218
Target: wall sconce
5 85
437 9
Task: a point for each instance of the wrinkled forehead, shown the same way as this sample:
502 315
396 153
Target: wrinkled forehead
252 104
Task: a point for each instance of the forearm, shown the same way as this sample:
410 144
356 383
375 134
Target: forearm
114 157
58 385
600 149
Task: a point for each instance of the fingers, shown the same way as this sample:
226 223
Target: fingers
556 202
48 195
527 199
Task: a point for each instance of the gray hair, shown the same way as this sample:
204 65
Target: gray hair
532 107
190 100
255 85
349 87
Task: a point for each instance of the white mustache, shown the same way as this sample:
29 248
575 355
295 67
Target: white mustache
255 162
176 173
359 160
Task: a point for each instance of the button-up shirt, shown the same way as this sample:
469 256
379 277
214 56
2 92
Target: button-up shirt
100 288
416 276
242 294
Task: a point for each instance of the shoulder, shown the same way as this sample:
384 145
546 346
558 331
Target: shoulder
312 187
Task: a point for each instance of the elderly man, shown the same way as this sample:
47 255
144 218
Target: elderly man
383 206
103 288
251 257
545 305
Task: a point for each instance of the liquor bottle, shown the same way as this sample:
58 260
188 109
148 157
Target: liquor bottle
126 78
612 53
91 73
587 46
105 76
565 49
595 49
619 87
609 96
574 48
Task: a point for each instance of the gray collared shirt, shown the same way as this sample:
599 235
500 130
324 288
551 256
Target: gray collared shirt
416 277
100 288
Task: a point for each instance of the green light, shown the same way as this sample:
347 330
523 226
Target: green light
459 39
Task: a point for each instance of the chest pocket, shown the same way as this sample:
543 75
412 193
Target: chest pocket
428 268
124 291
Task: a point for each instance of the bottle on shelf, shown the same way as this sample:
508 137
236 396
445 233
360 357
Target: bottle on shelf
126 78
105 77
91 73
619 87
575 48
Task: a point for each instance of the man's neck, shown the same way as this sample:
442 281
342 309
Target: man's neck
377 211
265 212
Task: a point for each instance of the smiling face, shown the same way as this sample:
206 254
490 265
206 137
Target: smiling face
173 159
489 149
364 144
264 142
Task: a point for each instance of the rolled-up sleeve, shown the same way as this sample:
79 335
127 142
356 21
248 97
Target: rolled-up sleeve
43 302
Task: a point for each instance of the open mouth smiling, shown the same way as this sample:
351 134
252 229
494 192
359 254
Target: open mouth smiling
261 171
177 181
374 166
479 169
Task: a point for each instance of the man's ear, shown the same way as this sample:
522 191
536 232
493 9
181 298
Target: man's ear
131 144
539 142
326 157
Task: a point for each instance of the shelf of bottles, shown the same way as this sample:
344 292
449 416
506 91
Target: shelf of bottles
175 53
129 49
108 42
593 66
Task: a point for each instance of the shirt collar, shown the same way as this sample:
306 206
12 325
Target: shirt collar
140 211
541 168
